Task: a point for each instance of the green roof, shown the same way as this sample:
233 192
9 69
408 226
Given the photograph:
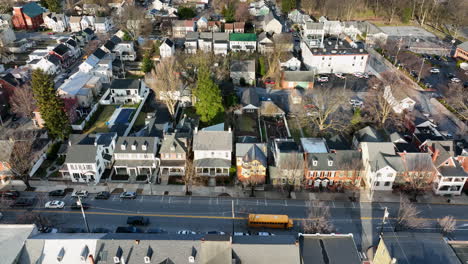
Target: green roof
243 37
32 9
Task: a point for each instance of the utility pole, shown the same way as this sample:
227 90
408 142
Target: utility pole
232 209
420 69
83 213
398 51
385 216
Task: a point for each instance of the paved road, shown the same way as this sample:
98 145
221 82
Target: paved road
206 214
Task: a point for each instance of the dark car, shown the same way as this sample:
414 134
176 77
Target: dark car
465 84
10 194
102 195
156 231
75 206
137 220
23 202
128 229
72 230
57 193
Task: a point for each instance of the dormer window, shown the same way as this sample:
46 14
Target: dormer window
149 254
134 146
144 146
315 162
84 253
61 254
124 145
330 162
118 255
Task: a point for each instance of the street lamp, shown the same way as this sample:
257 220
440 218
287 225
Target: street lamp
83 213
420 69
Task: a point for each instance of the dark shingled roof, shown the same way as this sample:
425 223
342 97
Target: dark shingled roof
61 49
88 31
109 45
328 249
250 96
99 53
125 84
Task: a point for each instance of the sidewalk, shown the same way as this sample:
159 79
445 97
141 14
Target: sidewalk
236 192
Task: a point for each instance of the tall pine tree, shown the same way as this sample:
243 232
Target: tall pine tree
209 101
51 107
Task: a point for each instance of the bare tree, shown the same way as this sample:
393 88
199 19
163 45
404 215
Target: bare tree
190 177
447 224
321 109
418 175
408 216
132 19
308 5
34 218
318 219
22 101
292 171
166 83
21 159
377 108
242 12
458 99
253 181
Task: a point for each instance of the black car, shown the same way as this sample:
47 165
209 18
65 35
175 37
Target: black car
10 194
75 206
57 193
137 220
23 202
128 229
102 195
72 230
156 231
465 84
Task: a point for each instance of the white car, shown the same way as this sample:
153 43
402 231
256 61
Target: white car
55 204
186 232
322 79
339 75
355 102
455 80
265 234
434 70
241 234
80 193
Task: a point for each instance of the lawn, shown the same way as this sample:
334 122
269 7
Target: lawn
97 123
139 122
247 124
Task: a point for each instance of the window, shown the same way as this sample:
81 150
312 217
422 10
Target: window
76 176
129 92
387 184
354 57
389 175
377 183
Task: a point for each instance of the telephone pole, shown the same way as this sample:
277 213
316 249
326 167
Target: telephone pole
83 213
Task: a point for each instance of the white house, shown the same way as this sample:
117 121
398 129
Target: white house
84 163
271 24
45 65
398 101
336 56
243 42
125 51
381 164
167 48
297 17
56 22
220 43
124 91
258 8
265 43
102 24
212 153
191 42
290 63
161 4
75 23
181 27
135 159
205 41
243 70
88 22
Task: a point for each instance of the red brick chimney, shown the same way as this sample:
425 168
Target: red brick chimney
435 155
91 259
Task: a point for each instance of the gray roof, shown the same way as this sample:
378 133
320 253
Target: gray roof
328 249
299 76
100 19
191 36
252 151
314 25
206 35
268 108
383 154
125 84
266 250
419 248
243 66
216 252
243 148
7 147
250 97
463 46
173 144
314 145
212 163
212 140
338 142
368 134
135 145
339 160
220 37
12 239
81 154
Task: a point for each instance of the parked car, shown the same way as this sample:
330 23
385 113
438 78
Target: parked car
361 74
56 204
128 229
10 194
450 75
241 234
23 202
215 233
414 74
57 193
137 220
428 85
322 78
128 195
102 195
76 206
356 103
156 231
465 85
455 80
270 81
50 33
186 232
340 75
265 234
80 193
434 70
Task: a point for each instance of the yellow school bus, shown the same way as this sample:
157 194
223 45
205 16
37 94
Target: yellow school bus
269 220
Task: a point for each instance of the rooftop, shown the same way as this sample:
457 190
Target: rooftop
328 249
336 46
243 66
212 140
242 37
125 84
314 145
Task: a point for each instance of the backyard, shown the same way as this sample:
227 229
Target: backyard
247 125
97 123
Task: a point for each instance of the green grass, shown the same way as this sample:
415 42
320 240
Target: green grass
101 116
247 124
139 122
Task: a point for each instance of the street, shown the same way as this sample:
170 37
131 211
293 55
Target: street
204 214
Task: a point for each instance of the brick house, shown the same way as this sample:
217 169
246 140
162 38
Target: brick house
462 51
251 162
28 16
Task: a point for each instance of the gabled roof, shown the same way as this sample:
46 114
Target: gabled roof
314 145
270 17
463 46
268 108
299 76
54 59
109 45
369 134
219 37
256 152
382 154
168 42
335 161
206 35
61 49
99 53
32 9
242 37
172 143
88 31
212 140
191 36
242 66
125 84
81 154
250 97
135 145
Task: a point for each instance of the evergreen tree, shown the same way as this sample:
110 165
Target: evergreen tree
288 5
147 64
229 13
54 5
51 107
209 101
261 66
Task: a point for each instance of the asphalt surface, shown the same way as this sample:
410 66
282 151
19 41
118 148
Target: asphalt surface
202 214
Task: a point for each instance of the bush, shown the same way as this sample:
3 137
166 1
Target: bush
52 151
405 15
186 12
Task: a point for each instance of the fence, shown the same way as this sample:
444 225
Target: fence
82 125
137 113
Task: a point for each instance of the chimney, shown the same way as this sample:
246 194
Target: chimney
91 259
435 155
137 241
196 130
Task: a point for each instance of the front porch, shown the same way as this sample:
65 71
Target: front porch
133 171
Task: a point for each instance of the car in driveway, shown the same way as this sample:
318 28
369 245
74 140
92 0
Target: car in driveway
434 70
24 202
56 204
322 78
128 195
186 232
137 220
57 193
102 195
128 229
455 80
80 193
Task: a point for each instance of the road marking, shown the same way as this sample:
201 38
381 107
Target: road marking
266 204
170 199
333 203
162 198
190 200
354 206
286 202
141 199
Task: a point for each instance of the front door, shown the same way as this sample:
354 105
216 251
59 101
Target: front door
132 172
